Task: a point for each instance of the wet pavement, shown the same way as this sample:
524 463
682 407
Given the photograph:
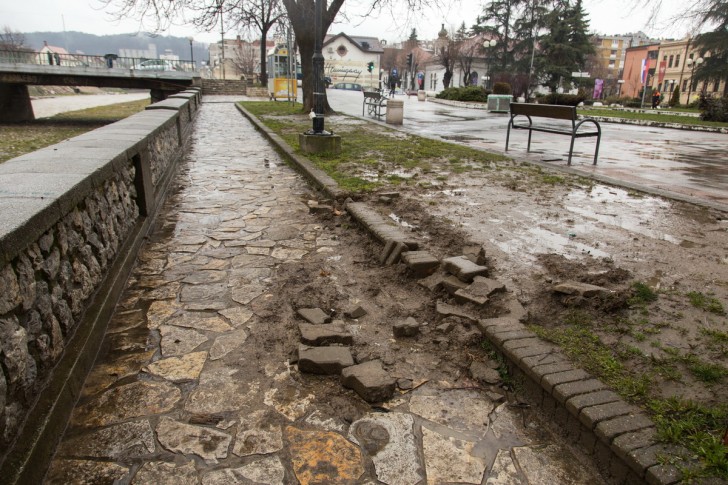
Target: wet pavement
195 385
688 163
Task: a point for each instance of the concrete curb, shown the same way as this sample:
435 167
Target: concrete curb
319 178
620 437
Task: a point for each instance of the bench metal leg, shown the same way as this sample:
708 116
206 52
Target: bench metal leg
508 135
596 151
571 150
528 148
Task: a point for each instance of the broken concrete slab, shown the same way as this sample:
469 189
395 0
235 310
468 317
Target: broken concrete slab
446 310
315 316
483 373
581 289
406 328
327 334
369 380
463 268
355 312
479 291
450 460
452 284
433 282
324 360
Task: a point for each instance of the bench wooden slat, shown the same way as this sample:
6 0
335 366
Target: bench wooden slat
554 111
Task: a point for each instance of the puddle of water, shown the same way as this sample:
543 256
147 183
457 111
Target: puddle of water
538 240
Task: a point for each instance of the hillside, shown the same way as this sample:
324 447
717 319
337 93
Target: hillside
104 44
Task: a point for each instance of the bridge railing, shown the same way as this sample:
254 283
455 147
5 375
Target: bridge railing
93 61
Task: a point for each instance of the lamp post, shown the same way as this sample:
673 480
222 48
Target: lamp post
487 45
691 64
318 74
192 55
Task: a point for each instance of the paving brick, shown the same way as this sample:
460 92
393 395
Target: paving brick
627 442
536 372
421 263
609 429
518 354
483 325
591 416
463 268
548 382
314 315
397 250
433 282
406 328
479 290
577 403
452 284
663 475
327 334
506 335
552 358
369 380
512 344
642 459
324 360
562 392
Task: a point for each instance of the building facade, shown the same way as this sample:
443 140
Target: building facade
639 68
346 59
677 62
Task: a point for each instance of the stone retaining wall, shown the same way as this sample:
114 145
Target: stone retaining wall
71 216
223 86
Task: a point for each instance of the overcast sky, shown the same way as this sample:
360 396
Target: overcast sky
606 17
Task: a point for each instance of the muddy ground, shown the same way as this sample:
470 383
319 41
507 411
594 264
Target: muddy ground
540 228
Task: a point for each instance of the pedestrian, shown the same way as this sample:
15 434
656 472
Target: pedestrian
392 86
655 98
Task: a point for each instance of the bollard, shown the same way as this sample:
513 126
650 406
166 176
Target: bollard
395 111
421 95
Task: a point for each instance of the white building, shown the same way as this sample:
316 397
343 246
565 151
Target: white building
346 59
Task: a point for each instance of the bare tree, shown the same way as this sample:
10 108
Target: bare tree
448 55
11 40
245 58
469 49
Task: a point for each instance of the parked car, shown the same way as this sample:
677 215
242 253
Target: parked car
156 65
348 86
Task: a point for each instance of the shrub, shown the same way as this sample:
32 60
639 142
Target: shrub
675 98
502 88
564 99
713 109
467 93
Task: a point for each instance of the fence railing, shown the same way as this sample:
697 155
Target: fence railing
107 61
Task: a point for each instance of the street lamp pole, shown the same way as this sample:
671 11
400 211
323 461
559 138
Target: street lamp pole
318 73
192 54
691 64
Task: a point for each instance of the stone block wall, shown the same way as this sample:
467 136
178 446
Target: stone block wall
67 214
223 86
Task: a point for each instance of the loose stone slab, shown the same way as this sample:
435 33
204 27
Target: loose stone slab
355 312
479 291
323 457
258 434
126 440
227 343
268 470
406 328
369 380
324 360
451 460
390 441
126 402
86 472
317 335
315 316
462 410
463 268
179 369
163 473
481 372
179 341
209 444
421 263
581 289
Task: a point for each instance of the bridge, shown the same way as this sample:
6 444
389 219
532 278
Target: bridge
18 69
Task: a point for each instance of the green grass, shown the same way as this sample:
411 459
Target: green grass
642 294
19 138
698 428
367 146
706 302
665 118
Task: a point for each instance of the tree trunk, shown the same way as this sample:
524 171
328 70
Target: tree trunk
263 57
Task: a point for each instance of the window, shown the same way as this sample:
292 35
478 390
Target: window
716 85
669 64
685 85
677 60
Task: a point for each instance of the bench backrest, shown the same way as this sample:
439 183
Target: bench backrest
555 111
372 94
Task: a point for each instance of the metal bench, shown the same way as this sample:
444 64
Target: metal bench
556 112
375 104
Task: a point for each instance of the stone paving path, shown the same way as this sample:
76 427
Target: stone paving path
183 394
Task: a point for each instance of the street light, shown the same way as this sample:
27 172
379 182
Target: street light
486 46
192 55
691 64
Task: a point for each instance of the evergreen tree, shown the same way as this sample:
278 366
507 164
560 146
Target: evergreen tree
497 22
567 45
526 34
715 67
675 99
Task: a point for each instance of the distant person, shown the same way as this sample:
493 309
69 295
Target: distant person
392 87
655 98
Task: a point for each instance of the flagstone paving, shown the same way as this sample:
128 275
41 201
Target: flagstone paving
195 383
